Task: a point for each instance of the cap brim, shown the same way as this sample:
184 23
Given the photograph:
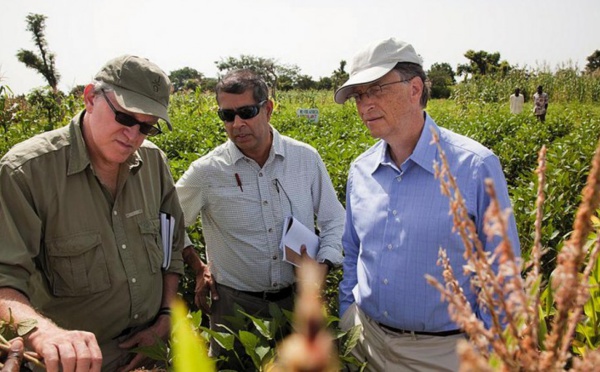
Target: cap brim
363 77
140 104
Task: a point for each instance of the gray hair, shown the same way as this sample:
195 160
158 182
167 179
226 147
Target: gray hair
239 81
409 70
100 85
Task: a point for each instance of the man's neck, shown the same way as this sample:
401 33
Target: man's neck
403 145
106 172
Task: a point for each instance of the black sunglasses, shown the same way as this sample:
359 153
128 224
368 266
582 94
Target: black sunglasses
129 121
245 112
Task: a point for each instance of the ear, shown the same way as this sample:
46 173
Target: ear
88 98
416 89
269 109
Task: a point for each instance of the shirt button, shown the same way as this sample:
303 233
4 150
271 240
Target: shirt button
133 280
135 316
394 212
265 202
385 281
115 213
389 247
399 178
385 313
260 174
275 257
271 229
274 284
124 246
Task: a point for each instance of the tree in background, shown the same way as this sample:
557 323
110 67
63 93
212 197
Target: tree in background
482 63
44 63
593 62
185 78
442 78
47 100
268 68
305 82
325 83
339 76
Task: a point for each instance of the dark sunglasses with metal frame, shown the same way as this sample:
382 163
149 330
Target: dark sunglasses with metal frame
129 121
245 112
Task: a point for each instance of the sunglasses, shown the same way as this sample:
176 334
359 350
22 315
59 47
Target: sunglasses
246 112
129 121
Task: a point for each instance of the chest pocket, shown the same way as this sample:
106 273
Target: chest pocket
76 265
150 231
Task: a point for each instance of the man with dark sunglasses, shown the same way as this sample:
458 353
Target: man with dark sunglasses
79 226
243 190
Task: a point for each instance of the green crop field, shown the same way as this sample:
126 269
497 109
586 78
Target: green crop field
570 133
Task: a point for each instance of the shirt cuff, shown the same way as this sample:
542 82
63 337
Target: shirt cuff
330 254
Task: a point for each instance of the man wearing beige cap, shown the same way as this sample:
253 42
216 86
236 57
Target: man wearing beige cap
397 218
79 226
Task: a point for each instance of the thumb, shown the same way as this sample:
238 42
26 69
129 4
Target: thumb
129 343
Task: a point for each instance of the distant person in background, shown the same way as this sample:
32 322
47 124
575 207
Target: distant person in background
540 104
397 218
516 102
80 231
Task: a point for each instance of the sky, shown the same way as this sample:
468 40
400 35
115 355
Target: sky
315 35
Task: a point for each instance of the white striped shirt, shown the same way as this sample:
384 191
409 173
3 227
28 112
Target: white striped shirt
242 224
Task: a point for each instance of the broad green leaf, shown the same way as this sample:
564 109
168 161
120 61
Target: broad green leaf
262 325
158 351
351 339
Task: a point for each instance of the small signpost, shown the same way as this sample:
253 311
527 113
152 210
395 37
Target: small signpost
310 114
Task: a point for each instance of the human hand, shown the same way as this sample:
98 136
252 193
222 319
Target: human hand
66 350
147 337
14 355
322 268
205 288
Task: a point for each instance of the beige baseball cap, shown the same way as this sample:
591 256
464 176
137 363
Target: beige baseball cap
139 85
374 61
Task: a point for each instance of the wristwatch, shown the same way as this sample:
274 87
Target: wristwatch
329 264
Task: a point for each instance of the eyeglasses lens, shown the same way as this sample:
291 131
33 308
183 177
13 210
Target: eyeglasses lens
129 121
245 113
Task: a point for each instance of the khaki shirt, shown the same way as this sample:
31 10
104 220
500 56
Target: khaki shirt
86 261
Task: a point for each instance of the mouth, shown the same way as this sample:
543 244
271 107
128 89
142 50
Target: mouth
242 136
125 145
368 121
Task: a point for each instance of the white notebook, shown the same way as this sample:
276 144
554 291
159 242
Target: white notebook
294 235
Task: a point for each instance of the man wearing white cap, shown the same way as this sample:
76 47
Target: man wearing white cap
397 218
79 226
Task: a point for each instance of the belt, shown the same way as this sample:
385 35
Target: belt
422 333
272 296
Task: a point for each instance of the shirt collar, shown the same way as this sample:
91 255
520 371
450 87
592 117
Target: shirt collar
79 158
277 148
424 154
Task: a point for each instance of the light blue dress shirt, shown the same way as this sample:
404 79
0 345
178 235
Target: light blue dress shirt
396 221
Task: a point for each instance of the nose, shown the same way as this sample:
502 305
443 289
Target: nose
365 104
237 121
133 132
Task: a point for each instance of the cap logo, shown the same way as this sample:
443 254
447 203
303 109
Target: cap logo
156 84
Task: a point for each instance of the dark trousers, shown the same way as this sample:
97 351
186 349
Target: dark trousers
231 299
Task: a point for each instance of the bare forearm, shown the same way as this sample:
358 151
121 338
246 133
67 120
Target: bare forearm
192 259
14 303
60 348
170 286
